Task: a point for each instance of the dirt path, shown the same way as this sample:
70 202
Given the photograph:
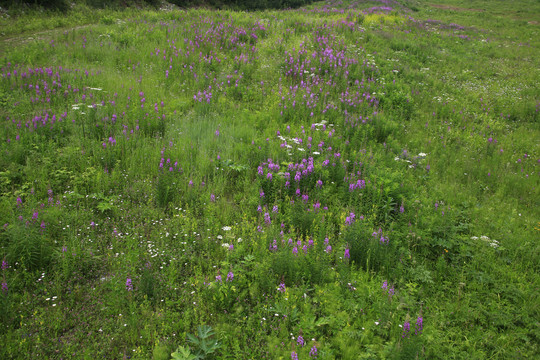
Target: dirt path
21 39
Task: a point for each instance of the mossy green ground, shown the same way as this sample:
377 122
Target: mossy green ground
334 182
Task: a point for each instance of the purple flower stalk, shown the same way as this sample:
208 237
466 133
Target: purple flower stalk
294 356
349 220
313 352
406 329
4 288
300 340
281 287
218 278
230 276
129 285
347 255
419 326
267 219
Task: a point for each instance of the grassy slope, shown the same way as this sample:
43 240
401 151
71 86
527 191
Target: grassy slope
448 76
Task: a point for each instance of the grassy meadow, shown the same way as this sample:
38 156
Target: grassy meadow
347 180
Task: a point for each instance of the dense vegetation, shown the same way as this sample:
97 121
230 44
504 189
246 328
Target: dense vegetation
348 180
64 5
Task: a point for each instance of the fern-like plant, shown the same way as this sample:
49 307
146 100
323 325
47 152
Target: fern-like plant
203 345
182 353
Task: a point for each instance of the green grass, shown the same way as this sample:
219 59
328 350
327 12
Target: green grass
141 220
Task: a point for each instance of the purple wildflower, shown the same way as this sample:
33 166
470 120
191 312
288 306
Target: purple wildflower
281 287
218 278
273 246
349 220
347 255
300 340
419 325
294 356
406 329
313 352
129 285
230 276
4 288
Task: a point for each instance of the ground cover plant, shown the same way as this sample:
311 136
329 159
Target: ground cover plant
346 180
